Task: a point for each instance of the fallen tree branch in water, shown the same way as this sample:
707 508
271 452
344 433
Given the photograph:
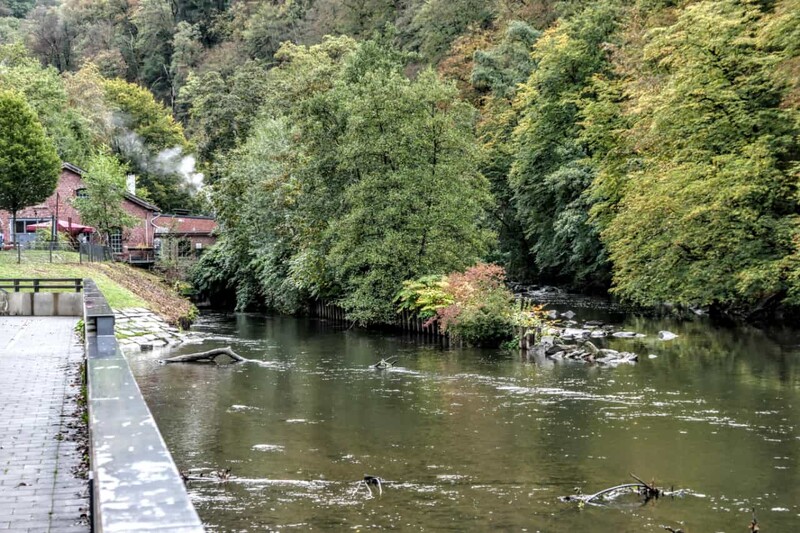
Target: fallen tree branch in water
587 499
366 482
647 490
650 490
215 475
207 357
754 523
385 363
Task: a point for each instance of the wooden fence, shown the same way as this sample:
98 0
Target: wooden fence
38 285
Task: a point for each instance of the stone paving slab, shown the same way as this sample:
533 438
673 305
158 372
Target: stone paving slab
140 329
39 358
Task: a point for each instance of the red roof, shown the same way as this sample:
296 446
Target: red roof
185 224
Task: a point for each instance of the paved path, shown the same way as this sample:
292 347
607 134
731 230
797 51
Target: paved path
39 358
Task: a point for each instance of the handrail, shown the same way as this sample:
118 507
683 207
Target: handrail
37 284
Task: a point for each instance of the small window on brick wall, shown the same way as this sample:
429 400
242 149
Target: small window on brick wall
81 193
184 248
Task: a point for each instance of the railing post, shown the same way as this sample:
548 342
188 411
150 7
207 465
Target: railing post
78 283
16 285
36 285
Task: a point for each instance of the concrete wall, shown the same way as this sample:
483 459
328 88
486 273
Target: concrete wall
136 485
41 303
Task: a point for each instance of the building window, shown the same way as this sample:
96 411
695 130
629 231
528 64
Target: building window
22 224
116 241
81 193
184 248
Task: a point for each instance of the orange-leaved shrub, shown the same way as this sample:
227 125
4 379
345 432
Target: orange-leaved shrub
482 308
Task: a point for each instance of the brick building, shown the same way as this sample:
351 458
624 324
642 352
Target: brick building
59 206
183 236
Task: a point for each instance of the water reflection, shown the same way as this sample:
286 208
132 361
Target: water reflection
476 439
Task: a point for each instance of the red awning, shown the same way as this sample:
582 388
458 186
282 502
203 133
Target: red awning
63 225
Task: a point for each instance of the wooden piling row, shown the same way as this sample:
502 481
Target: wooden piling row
406 321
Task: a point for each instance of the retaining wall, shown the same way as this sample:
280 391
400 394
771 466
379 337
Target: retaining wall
41 303
136 485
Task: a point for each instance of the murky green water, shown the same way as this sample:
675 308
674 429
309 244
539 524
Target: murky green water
471 440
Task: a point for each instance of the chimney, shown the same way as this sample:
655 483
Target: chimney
130 183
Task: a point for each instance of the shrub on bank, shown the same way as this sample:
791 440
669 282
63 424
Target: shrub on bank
474 306
424 296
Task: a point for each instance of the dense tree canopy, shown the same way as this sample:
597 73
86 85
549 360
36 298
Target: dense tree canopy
647 147
373 184
710 216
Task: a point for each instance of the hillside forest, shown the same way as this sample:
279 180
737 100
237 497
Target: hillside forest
646 147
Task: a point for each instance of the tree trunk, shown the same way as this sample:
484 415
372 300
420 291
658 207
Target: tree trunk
14 234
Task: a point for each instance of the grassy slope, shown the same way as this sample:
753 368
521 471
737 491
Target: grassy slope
123 286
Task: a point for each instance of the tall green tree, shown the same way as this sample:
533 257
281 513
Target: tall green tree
415 203
155 25
437 23
221 108
497 73
29 163
101 207
710 217
254 203
375 182
552 172
44 91
17 8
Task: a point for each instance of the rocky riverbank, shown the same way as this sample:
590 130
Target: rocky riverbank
141 329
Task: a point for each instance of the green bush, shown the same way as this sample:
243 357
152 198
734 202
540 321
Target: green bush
487 322
424 295
43 236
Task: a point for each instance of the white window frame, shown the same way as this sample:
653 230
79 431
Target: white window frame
115 240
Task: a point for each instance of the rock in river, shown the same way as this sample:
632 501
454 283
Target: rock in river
628 335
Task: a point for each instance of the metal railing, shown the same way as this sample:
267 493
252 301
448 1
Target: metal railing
39 252
94 253
141 256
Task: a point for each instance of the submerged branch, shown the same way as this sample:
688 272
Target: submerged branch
207 357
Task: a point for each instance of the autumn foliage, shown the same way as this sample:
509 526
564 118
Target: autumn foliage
474 306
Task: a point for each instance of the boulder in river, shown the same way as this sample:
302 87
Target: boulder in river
628 335
666 335
575 333
586 352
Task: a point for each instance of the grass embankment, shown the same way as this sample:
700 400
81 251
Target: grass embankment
122 285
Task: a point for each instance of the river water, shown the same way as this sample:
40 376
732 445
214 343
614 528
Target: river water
479 440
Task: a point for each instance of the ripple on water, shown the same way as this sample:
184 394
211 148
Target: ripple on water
242 408
268 448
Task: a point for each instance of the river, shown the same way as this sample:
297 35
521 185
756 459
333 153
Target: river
479 440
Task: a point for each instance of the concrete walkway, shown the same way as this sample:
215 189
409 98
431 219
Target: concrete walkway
39 358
